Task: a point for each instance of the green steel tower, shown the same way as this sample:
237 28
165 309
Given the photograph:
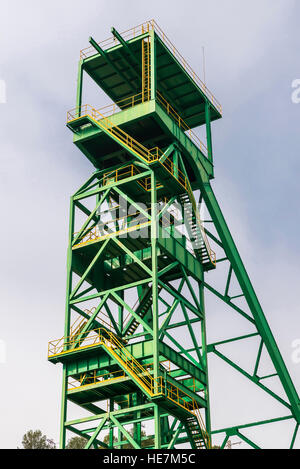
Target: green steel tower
141 258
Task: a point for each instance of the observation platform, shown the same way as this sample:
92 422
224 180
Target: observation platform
150 124
117 70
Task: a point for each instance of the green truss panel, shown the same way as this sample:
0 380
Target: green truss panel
134 349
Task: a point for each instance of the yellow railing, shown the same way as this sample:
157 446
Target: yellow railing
204 433
107 110
150 156
142 374
106 322
125 172
131 101
95 233
131 170
184 400
146 27
80 321
76 326
175 172
120 225
57 346
181 123
111 342
87 110
115 347
194 387
94 378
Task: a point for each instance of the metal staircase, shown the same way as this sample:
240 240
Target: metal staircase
153 387
150 156
196 232
158 99
142 309
197 433
77 327
79 324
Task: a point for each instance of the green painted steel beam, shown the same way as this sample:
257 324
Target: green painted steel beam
90 217
95 434
175 437
193 395
109 60
182 362
79 87
170 289
132 312
92 193
125 432
252 300
208 131
254 379
136 66
111 290
82 435
116 269
194 154
294 436
232 430
247 440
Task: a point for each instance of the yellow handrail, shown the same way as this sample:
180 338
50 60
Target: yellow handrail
88 380
125 172
108 340
79 321
149 156
109 109
145 28
94 378
153 386
94 234
131 101
204 433
100 318
181 123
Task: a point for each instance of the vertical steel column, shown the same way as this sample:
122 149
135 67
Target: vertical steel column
154 232
138 425
67 325
204 356
157 426
111 427
63 411
208 131
79 87
154 280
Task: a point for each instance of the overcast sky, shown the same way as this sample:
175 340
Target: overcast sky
252 57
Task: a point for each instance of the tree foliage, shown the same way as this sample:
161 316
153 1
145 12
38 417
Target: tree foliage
76 442
34 439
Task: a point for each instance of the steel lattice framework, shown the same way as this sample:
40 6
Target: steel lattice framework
140 260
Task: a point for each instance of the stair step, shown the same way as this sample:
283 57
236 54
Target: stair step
143 311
